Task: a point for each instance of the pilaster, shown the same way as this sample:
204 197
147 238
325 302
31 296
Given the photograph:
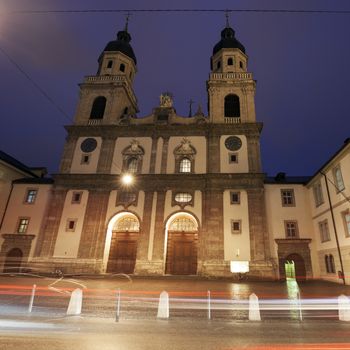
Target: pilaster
94 228
47 237
106 156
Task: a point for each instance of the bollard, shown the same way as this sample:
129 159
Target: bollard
209 305
163 306
75 302
254 309
299 306
344 308
31 301
118 306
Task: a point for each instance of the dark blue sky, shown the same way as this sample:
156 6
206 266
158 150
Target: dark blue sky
300 61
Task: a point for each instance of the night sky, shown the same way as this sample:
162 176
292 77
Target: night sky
300 61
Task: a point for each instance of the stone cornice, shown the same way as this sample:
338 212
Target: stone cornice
161 182
153 130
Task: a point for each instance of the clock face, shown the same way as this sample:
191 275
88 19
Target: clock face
88 145
233 143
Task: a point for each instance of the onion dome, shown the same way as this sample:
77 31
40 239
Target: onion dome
122 44
228 41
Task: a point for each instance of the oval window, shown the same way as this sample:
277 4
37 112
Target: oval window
183 197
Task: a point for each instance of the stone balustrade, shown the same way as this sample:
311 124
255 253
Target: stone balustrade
231 76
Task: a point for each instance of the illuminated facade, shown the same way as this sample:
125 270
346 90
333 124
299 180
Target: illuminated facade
198 199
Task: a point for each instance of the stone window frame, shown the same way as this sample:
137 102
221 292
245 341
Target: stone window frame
318 194
344 214
121 200
22 227
329 263
284 198
230 154
133 151
85 158
74 200
30 198
68 224
324 231
182 204
233 223
296 228
336 179
185 150
238 202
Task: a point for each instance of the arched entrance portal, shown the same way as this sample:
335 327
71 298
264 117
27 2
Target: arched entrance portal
123 244
295 267
13 260
182 242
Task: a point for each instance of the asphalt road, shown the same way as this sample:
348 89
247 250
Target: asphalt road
101 334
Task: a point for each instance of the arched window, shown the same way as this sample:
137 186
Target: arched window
122 67
110 64
98 108
183 223
132 165
331 264
232 108
127 223
218 65
185 165
230 61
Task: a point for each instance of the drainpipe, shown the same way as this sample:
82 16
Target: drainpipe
7 203
334 227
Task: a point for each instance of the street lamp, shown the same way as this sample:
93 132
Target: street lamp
127 179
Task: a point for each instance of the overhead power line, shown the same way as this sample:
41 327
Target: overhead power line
36 85
297 11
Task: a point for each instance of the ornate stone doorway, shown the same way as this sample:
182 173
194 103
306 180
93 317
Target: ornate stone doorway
13 260
123 245
292 264
182 246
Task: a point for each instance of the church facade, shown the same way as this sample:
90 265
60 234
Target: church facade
170 195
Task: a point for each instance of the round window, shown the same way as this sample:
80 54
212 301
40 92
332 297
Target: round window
88 145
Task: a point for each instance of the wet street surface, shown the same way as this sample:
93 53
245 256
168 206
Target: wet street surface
229 300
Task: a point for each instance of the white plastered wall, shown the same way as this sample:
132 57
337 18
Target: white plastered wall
17 208
90 168
242 165
236 245
67 242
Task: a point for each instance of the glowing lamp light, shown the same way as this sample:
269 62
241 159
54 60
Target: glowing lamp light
127 179
239 266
